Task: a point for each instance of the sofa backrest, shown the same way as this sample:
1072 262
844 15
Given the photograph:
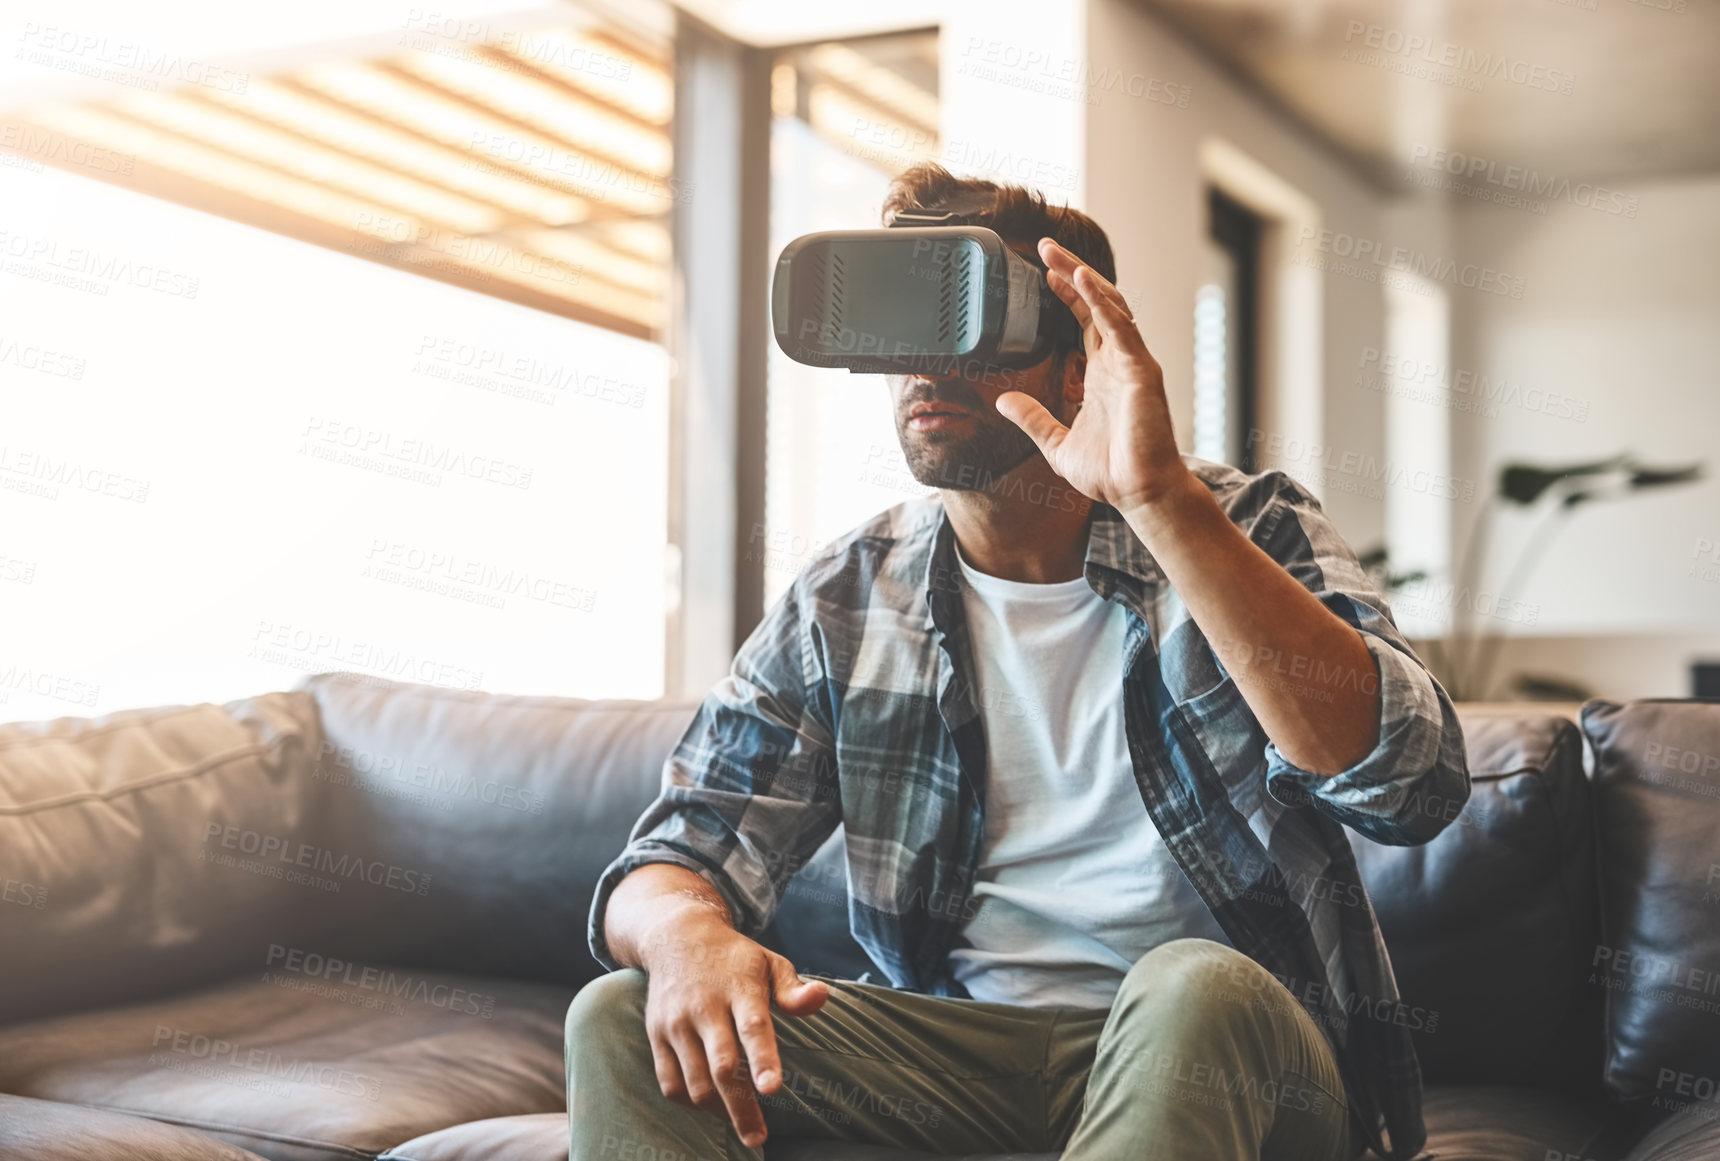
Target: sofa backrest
1489 925
1657 962
155 850
512 806
115 881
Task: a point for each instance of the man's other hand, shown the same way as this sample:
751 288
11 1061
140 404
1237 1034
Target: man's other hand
708 1015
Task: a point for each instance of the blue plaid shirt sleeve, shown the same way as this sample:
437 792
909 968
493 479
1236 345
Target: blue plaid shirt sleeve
750 791
1416 778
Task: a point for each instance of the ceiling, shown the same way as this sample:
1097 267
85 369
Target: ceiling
1578 90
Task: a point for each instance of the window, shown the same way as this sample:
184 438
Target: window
1225 334
847 118
349 366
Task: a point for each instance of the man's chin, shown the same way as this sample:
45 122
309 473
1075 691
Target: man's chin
942 464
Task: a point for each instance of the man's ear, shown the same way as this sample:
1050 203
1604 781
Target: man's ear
1074 380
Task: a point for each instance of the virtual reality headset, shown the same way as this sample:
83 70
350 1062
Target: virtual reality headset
916 296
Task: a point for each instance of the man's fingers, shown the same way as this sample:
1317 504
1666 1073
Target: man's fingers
669 1079
734 1086
758 1041
701 1090
1030 416
1063 289
795 996
1111 318
1057 257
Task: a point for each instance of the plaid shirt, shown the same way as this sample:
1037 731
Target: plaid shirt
854 703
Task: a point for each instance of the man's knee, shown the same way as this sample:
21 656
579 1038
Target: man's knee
1195 983
607 1011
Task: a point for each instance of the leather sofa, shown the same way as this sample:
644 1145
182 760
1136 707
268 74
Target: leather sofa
345 921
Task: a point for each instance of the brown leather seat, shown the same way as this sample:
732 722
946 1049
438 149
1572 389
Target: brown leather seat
302 1068
1465 1123
465 832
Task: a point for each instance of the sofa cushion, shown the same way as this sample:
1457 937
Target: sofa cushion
1657 962
544 1137
1463 1123
118 879
533 1137
1692 1135
51 1131
513 806
1488 925
307 1061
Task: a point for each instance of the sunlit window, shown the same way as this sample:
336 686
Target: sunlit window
849 117
1211 374
353 365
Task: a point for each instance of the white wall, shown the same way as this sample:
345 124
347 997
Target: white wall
1617 316
1618 313
1145 185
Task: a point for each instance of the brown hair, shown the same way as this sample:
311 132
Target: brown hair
1017 213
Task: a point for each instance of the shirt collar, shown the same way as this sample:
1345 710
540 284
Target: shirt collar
1117 565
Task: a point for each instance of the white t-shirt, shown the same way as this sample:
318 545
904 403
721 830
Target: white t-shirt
1074 883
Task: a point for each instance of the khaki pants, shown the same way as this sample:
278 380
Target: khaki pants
1203 1057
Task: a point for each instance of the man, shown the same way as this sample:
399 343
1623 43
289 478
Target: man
1094 719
